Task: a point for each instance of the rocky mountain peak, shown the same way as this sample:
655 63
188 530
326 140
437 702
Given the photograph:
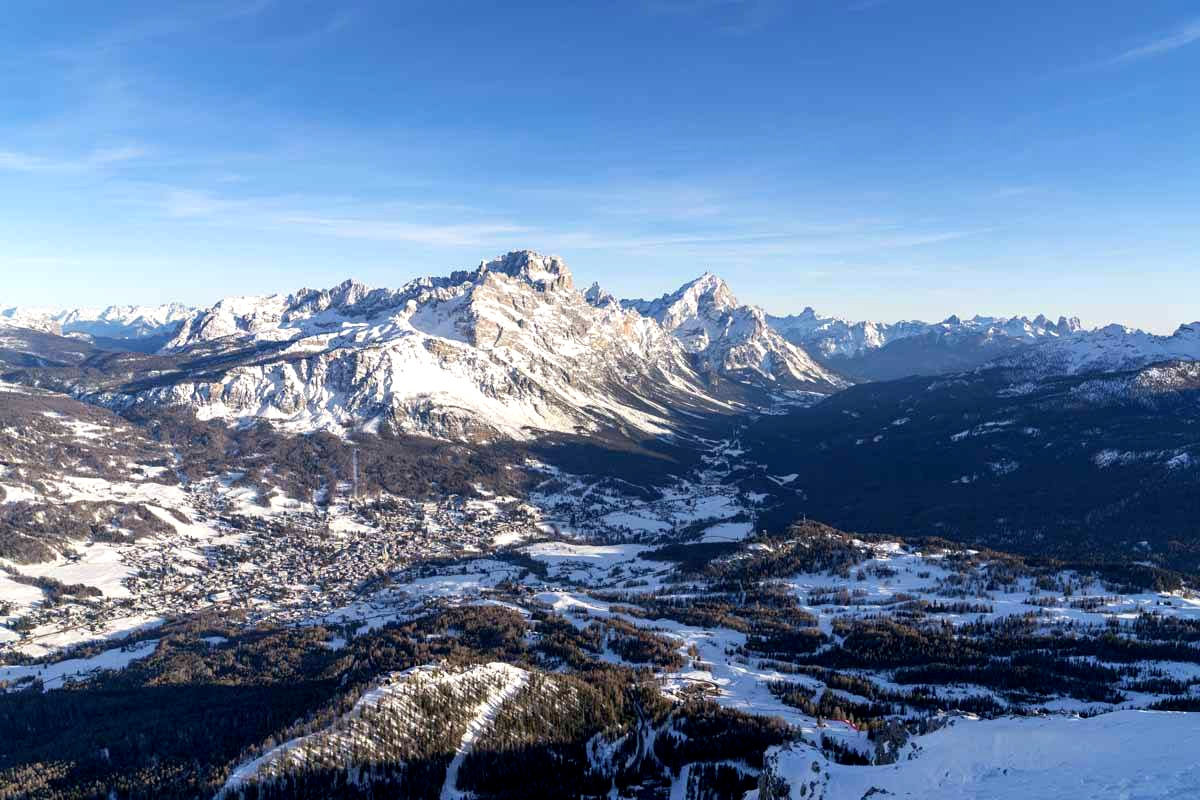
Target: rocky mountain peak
1069 325
599 297
707 296
1191 329
731 339
545 273
708 291
344 296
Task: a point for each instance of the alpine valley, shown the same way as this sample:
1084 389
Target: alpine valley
492 535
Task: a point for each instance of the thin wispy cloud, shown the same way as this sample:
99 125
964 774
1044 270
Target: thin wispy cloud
1010 192
866 5
184 21
434 225
339 22
231 206
192 204
443 235
739 246
732 16
690 7
115 155
648 199
39 262
108 46
16 161
1184 35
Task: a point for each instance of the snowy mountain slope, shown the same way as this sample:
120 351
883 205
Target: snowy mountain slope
125 322
30 319
875 351
394 720
1111 348
79 488
1140 754
113 322
831 337
734 340
886 351
506 349
54 451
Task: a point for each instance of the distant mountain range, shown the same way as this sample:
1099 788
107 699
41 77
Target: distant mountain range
113 322
512 348
142 328
884 351
831 337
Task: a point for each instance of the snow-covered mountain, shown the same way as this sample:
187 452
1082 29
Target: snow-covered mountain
508 349
113 322
734 340
832 337
512 348
1111 348
828 337
31 318
884 351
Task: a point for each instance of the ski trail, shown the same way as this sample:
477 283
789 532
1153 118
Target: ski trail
485 715
679 787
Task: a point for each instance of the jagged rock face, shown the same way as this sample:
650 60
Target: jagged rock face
310 311
598 297
694 313
509 349
733 340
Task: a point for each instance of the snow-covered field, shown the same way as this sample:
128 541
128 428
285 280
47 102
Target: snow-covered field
55 675
1136 755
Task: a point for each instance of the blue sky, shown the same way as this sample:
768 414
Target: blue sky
876 159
